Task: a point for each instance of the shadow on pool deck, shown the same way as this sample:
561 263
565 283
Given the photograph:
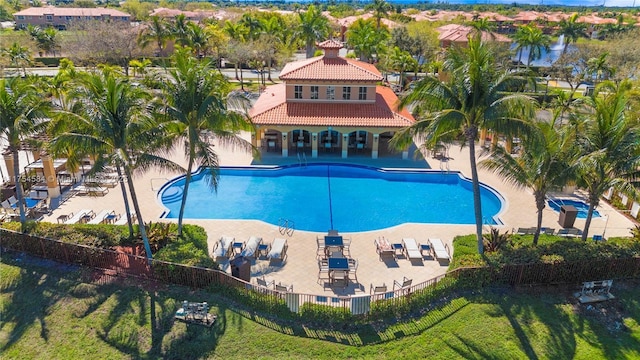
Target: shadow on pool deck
274 158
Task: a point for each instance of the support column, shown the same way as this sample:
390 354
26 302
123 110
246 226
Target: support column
256 139
508 145
494 140
314 145
483 137
8 160
285 145
374 148
345 145
50 176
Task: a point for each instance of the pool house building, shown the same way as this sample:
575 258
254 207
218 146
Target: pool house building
328 105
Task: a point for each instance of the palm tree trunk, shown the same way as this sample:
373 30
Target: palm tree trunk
520 58
540 207
269 70
241 79
587 223
187 180
136 206
19 195
125 198
477 204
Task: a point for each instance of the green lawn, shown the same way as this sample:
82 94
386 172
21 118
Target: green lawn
46 313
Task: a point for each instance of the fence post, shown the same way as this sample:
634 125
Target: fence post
44 253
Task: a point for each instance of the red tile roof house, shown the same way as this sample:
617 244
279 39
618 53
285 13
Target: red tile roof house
329 104
61 17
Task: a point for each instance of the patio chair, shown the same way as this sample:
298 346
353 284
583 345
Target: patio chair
404 285
261 281
78 216
440 250
411 249
320 250
278 250
122 220
251 247
377 289
222 247
284 288
353 268
339 278
100 217
383 247
346 244
12 200
323 268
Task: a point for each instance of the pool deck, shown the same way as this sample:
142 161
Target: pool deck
301 268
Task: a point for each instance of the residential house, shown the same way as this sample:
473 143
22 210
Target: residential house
60 17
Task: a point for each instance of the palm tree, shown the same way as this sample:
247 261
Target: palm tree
401 61
313 27
19 56
600 67
198 39
380 9
22 111
197 107
112 120
531 37
238 35
542 164
180 30
609 147
471 100
157 31
253 25
572 30
366 41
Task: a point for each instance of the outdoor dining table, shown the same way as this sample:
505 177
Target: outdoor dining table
333 242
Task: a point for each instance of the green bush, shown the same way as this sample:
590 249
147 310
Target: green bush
100 236
326 315
191 249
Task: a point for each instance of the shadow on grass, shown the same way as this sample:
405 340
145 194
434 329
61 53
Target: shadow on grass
32 296
154 309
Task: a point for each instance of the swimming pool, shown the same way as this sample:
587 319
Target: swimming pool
319 197
581 206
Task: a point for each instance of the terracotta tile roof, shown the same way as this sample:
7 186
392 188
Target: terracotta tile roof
349 20
171 13
57 11
272 109
336 69
330 44
460 33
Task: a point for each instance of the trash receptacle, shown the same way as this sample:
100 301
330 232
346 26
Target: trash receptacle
568 215
241 268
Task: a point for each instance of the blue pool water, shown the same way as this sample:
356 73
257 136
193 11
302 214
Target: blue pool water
582 207
319 197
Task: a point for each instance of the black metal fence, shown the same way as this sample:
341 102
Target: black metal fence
128 265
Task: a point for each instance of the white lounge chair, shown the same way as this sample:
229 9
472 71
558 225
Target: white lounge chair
251 247
100 217
439 249
79 215
278 250
12 200
411 248
91 190
122 220
223 247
